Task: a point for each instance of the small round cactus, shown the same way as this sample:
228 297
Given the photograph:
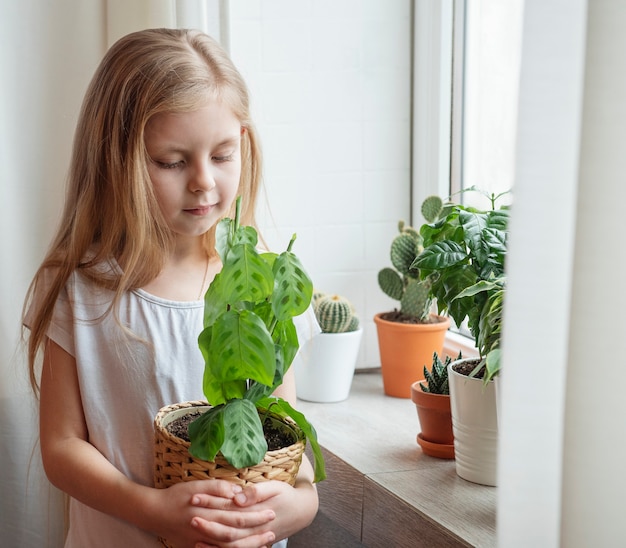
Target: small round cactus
335 314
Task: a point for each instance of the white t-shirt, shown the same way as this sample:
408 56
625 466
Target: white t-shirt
124 381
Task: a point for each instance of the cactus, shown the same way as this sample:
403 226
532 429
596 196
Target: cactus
335 314
432 207
317 295
437 377
403 284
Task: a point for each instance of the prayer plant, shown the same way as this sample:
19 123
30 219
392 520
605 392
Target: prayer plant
249 342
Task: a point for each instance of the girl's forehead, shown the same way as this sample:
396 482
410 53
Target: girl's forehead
212 106
212 122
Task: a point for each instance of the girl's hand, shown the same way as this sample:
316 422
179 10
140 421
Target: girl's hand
293 508
203 513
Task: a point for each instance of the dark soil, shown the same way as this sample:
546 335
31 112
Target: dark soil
275 437
467 367
179 426
400 317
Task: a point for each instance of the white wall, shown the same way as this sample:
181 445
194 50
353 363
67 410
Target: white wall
331 91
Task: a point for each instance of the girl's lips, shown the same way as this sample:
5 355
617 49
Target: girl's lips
198 210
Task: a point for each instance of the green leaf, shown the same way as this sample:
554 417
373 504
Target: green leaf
244 442
440 255
245 275
479 287
207 434
496 240
293 288
269 258
492 365
474 224
256 391
222 238
215 302
305 426
286 339
240 348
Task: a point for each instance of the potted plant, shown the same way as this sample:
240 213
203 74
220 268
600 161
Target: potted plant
466 248
248 343
408 336
325 364
432 401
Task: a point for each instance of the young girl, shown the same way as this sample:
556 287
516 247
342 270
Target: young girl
163 145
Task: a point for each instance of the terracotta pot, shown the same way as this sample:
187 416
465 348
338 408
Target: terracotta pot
475 426
325 365
433 411
405 349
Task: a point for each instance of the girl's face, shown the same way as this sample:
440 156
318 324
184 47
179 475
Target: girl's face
194 165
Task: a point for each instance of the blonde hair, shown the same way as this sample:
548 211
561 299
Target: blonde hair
110 209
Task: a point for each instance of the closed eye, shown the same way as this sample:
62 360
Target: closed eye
167 165
228 158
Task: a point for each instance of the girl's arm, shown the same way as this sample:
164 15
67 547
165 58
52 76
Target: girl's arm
294 507
79 469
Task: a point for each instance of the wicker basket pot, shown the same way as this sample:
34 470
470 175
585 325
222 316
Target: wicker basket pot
173 463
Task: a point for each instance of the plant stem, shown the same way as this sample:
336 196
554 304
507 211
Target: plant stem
293 239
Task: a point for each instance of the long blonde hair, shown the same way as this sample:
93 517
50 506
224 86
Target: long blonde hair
110 209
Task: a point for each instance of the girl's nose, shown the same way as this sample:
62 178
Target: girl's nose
202 177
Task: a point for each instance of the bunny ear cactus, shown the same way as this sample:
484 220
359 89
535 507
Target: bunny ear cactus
404 284
335 314
248 343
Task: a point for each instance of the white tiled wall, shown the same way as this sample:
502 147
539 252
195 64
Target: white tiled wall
331 90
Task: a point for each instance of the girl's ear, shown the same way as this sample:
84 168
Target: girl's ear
243 129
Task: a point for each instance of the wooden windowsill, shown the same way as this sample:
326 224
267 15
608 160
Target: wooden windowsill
381 487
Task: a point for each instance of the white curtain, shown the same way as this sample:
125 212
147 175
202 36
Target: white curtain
563 442
48 52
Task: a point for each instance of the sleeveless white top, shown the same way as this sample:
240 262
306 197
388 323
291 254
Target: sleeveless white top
124 381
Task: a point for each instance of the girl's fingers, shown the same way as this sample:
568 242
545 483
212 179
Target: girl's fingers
239 535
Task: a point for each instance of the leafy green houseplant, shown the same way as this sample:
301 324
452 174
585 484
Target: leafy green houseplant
408 336
248 343
466 248
463 257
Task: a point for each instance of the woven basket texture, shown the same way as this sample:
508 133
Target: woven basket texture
173 463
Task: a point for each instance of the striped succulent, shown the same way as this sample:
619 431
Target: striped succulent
437 377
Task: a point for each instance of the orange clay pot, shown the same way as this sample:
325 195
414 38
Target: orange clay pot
405 349
433 411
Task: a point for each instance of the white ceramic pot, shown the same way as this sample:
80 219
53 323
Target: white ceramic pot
324 366
475 427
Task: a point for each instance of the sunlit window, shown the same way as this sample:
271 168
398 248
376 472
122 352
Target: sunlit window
485 94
